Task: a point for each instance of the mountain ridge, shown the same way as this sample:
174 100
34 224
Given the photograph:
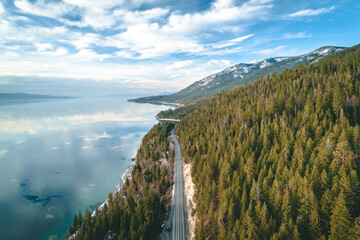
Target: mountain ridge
237 75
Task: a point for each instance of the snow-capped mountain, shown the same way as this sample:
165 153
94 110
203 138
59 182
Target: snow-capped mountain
240 74
236 71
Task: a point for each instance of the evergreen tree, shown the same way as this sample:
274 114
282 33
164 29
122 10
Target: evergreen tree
340 219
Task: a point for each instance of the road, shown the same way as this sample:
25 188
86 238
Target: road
176 224
178 232
168 119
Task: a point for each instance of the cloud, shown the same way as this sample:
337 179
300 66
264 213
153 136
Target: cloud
178 34
11 32
97 18
43 46
134 44
12 54
42 8
138 17
268 51
84 40
142 34
2 10
58 52
231 42
182 64
97 14
221 62
311 12
48 49
89 54
221 12
144 41
95 4
296 35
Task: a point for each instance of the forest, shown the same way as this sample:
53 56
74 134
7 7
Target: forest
139 208
273 159
279 158
178 113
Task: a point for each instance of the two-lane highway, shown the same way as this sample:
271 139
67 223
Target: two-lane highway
178 231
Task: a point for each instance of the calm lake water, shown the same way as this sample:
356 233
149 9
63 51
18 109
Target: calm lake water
58 156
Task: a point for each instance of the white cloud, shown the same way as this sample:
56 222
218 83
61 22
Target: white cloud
138 17
5 27
221 52
222 12
34 34
105 4
221 62
311 12
80 40
149 40
182 64
178 35
232 41
42 8
240 39
96 14
98 18
89 55
296 35
58 52
12 54
268 51
43 46
142 37
141 34
2 10
13 47
49 50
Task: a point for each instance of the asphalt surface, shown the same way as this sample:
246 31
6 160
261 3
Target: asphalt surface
175 225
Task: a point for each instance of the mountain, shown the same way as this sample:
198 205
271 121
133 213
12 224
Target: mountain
236 75
279 158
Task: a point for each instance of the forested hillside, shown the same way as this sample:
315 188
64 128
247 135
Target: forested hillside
237 75
138 209
279 158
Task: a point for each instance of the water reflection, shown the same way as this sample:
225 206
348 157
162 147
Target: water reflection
57 157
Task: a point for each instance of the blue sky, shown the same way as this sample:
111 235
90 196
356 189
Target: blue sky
150 46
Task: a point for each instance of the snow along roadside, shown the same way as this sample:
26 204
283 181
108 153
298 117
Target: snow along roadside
189 196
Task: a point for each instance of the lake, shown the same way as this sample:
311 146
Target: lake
59 156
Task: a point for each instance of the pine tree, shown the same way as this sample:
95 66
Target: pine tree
340 219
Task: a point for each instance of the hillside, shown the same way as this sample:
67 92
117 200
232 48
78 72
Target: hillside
279 158
137 210
237 75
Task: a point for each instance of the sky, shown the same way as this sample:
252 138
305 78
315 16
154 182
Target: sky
145 47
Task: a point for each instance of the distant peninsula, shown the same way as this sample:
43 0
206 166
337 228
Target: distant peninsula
9 97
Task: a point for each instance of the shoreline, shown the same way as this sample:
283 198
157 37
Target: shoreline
171 104
126 174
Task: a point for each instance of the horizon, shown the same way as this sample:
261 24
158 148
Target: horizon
84 48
